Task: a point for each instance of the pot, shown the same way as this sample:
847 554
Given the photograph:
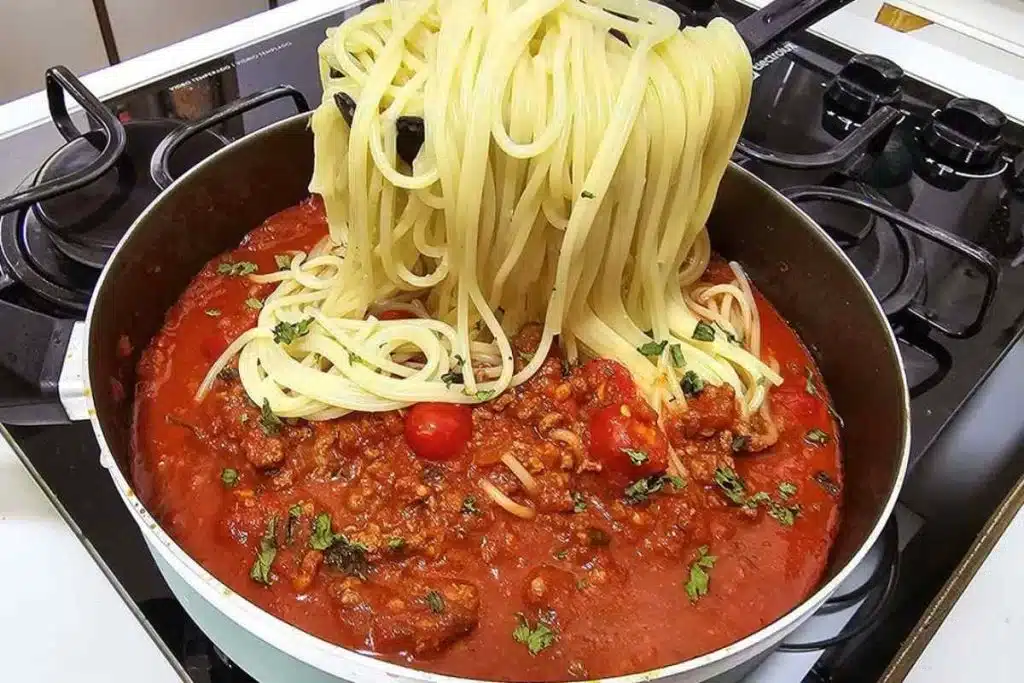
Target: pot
209 209
790 258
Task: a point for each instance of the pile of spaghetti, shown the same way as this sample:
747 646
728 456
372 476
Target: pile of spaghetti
485 164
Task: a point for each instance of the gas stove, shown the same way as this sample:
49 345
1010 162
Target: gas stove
921 189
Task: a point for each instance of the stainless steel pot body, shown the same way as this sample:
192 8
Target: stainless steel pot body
210 208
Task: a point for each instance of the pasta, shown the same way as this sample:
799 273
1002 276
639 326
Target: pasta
569 160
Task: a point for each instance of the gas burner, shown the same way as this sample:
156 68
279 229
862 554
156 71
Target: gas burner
85 224
888 258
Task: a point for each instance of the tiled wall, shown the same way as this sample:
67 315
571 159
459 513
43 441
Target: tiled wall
36 34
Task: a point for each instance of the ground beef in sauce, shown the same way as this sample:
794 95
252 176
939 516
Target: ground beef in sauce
423 568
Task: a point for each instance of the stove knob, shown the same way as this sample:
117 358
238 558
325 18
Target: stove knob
866 83
965 134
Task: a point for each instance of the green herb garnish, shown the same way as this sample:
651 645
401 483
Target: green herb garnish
294 514
699 581
692 384
642 489
784 514
283 261
322 537
740 443
586 194
704 332
260 571
396 543
269 423
579 503
652 348
435 601
469 505
816 437
826 482
236 269
254 303
229 477
286 333
676 353
347 556
636 457
787 489
731 484
535 639
484 394
454 376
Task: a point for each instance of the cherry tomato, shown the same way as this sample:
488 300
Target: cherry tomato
213 345
395 314
627 446
438 431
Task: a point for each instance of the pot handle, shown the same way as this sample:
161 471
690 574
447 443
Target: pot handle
159 168
46 366
980 257
60 80
782 17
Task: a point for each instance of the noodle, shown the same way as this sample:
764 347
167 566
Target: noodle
529 483
495 494
564 176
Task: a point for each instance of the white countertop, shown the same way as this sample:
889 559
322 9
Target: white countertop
61 619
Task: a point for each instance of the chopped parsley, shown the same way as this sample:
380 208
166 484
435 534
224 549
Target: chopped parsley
826 482
227 373
587 194
212 312
239 269
286 333
229 477
787 489
676 353
484 394
740 443
816 437
652 349
732 486
283 261
561 554
322 537
454 376
396 543
704 332
784 514
269 423
692 384
260 571
435 601
254 303
636 457
294 514
347 556
469 505
566 367
809 385
579 503
642 489
699 581
535 639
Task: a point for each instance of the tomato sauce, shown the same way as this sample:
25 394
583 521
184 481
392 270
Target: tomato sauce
622 570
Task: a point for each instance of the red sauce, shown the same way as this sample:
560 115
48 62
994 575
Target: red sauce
607 577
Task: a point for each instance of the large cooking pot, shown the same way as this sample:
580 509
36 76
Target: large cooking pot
209 209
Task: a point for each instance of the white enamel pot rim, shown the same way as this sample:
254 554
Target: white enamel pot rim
352 666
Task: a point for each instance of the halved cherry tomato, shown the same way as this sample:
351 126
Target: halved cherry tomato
395 314
438 431
626 445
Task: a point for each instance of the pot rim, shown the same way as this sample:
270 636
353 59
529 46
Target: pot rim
340 661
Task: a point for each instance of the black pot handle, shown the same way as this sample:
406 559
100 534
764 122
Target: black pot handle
159 167
782 17
59 80
30 376
856 142
980 257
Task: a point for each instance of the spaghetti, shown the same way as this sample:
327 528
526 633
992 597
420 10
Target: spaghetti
570 158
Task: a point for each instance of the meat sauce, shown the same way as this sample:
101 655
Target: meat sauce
418 566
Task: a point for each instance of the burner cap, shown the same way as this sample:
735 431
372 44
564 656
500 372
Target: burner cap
87 223
966 134
865 84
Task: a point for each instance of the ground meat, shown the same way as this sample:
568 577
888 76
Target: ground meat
711 411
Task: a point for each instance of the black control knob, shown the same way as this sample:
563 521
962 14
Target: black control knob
965 134
865 84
